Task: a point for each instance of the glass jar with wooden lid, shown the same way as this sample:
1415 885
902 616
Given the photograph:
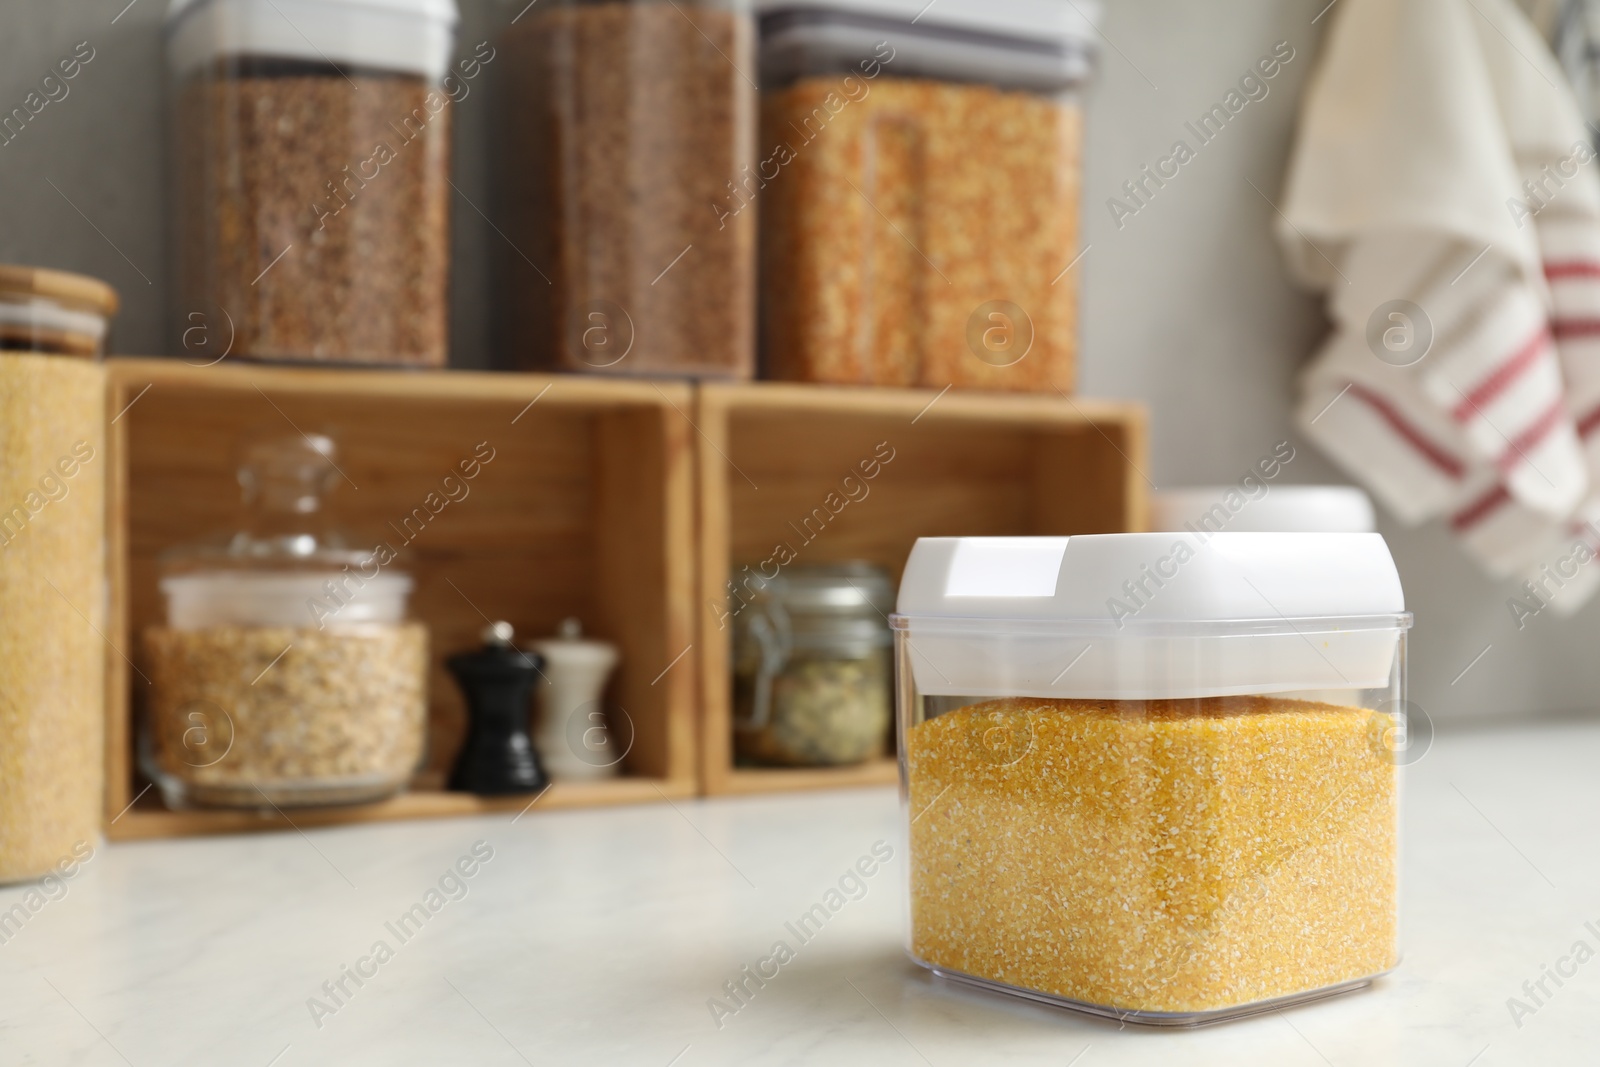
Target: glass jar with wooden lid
52 570
54 312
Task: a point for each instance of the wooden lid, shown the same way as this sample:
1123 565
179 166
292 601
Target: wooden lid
74 290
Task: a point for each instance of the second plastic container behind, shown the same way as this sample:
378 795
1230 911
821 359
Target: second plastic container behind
919 191
311 162
626 125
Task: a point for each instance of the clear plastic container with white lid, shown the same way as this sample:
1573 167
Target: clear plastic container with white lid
287 673
1153 776
311 148
918 189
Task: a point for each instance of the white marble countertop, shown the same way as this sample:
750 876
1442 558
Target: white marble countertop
598 938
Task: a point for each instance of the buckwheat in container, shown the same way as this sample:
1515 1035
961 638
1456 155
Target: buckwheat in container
1153 776
310 165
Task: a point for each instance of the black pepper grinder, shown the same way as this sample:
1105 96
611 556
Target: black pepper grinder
498 681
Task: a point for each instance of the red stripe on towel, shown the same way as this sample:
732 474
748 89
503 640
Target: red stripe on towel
1572 268
1566 328
1434 454
1526 355
1590 422
1480 509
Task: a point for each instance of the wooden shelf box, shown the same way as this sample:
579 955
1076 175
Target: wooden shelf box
585 510
964 464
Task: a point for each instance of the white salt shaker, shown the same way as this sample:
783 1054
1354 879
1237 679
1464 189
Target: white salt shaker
575 674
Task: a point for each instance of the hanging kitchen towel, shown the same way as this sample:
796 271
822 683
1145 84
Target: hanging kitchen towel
1442 194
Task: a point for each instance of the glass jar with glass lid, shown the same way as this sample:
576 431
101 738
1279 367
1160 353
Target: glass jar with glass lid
286 672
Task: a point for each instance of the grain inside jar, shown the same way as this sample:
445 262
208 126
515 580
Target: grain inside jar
286 672
628 127
313 214
52 584
242 716
918 234
1155 856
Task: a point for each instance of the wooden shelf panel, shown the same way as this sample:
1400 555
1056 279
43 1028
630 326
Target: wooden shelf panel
585 391
150 819
774 779
963 464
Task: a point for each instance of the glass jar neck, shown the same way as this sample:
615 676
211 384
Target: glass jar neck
284 483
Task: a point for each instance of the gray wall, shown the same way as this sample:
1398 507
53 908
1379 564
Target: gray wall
1186 305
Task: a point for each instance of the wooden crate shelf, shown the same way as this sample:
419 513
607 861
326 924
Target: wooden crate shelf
965 464
149 818
586 509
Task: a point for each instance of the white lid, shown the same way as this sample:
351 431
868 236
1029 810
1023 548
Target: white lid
408 36
1046 21
47 315
1281 509
1152 615
297 598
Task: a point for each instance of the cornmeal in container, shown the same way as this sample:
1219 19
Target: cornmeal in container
1153 776
917 180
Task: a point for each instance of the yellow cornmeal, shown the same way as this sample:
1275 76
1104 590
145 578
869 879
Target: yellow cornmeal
1169 856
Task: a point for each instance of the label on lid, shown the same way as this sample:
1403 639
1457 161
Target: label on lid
1005 566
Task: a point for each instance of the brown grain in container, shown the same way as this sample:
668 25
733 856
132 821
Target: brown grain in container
628 124
313 215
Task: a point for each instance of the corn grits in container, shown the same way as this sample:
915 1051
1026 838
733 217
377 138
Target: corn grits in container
1153 776
918 183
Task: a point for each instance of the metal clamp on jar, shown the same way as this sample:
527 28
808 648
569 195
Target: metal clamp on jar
811 677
